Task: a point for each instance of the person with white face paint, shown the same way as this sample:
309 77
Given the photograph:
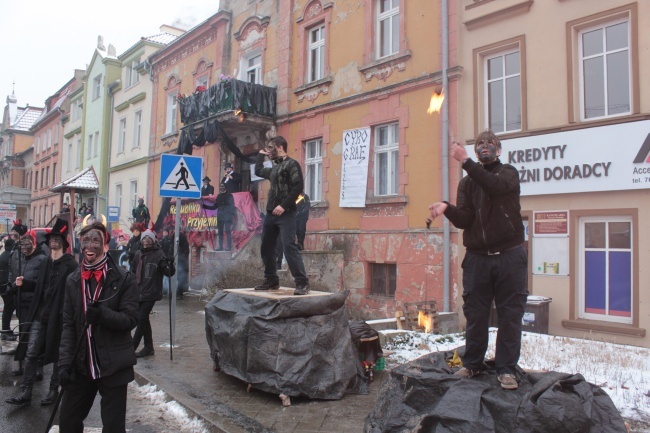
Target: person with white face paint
495 267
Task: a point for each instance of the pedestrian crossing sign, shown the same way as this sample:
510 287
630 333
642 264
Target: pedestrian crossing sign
180 176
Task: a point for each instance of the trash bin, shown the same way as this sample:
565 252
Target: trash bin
535 316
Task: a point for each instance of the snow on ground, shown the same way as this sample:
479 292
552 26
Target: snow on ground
171 414
621 371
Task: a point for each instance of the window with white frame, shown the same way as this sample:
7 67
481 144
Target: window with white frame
172 109
55 139
77 160
203 81
96 151
137 129
133 192
503 90
35 180
49 138
121 138
68 161
387 34
89 146
38 144
316 54
252 67
117 201
97 86
76 109
605 70
132 76
606 268
54 174
47 176
313 169
386 158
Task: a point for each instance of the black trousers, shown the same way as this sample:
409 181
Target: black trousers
501 278
227 226
78 399
8 311
285 227
35 349
144 325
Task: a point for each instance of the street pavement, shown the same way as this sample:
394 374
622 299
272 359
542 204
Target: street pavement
223 402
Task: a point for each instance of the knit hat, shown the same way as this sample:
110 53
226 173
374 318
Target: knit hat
19 227
148 234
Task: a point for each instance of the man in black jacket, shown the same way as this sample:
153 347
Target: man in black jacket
286 184
225 205
45 315
7 297
151 266
231 179
496 264
207 189
24 270
105 297
141 213
133 246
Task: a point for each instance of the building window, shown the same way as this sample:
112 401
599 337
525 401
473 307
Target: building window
97 86
605 70
313 169
68 161
77 160
172 108
203 81
132 76
35 182
49 138
316 54
42 178
252 67
118 196
96 151
137 129
121 140
89 147
133 192
76 109
606 270
47 176
503 90
387 34
386 157
38 144
384 279
54 174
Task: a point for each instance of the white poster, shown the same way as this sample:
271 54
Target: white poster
354 167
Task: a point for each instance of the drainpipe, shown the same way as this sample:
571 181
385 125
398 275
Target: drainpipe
445 153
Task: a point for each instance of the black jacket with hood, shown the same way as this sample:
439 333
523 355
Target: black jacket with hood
154 266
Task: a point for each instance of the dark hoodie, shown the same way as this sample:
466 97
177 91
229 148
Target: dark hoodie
149 267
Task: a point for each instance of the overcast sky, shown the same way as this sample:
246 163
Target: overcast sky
42 42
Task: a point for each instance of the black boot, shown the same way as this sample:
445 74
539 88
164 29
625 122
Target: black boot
17 371
146 351
22 399
50 397
38 376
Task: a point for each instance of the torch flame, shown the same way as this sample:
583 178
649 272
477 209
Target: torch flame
436 102
424 321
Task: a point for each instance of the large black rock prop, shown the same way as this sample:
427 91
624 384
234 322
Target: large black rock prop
292 345
423 396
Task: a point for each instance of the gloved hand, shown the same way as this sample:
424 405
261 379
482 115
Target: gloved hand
64 377
93 314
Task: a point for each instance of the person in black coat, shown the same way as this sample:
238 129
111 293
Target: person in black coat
151 266
183 265
7 297
133 246
44 318
105 296
225 205
207 189
231 179
23 272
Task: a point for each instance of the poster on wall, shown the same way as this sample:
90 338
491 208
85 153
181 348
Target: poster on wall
551 243
354 167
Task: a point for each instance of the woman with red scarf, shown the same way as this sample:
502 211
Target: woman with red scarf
104 296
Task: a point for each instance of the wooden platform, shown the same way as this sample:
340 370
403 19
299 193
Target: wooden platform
282 292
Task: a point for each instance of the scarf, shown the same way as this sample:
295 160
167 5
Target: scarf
98 272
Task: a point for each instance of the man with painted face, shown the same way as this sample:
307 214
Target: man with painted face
24 273
151 266
286 185
495 267
44 318
105 297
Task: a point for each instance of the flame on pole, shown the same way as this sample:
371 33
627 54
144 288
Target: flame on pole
436 102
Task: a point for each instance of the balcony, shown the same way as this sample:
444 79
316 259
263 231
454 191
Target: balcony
226 100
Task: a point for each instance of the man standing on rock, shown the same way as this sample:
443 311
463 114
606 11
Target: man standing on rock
286 185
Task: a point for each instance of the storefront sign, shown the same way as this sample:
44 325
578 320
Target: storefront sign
605 158
354 167
551 223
